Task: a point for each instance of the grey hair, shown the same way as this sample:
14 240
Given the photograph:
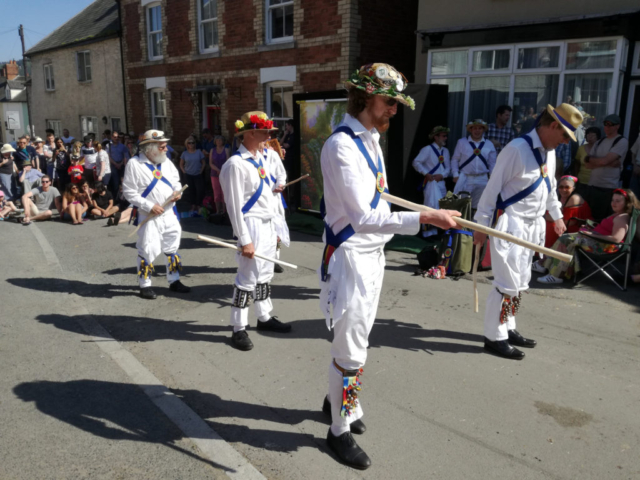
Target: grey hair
147 148
219 136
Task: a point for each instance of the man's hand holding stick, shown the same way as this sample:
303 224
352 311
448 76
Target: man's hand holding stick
159 209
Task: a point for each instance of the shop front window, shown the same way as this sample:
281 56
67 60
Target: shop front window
487 60
590 94
591 55
449 63
538 57
456 106
532 94
486 95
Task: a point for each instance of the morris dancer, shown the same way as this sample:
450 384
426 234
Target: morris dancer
521 186
473 161
433 162
278 177
252 209
149 181
357 226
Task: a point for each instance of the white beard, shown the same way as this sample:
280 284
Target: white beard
155 156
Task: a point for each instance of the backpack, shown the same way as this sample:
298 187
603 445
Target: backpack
456 248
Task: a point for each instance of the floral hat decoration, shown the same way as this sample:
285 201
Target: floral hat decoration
438 130
254 121
381 79
477 123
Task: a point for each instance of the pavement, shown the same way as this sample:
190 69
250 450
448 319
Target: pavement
99 383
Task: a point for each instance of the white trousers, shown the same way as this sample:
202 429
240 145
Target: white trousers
160 235
433 192
474 184
511 266
254 271
353 289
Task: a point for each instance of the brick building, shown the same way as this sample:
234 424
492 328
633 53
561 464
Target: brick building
191 64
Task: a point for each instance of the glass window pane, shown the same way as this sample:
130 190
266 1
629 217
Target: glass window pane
277 23
209 9
87 59
288 21
449 63
456 106
531 96
590 94
210 34
287 102
539 57
486 95
276 102
491 60
585 55
275 2
156 45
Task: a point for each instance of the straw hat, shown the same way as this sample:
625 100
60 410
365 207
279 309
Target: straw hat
255 120
381 79
153 136
38 140
477 122
438 130
7 149
568 116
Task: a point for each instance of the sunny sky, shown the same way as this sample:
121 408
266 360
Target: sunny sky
39 17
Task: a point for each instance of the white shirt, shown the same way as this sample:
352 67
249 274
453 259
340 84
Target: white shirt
464 150
138 176
427 159
349 188
104 158
89 158
516 168
278 172
240 180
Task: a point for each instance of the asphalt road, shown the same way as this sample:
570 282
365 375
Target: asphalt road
436 405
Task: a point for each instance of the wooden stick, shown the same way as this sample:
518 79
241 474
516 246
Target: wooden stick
297 180
469 225
308 210
239 249
475 277
153 215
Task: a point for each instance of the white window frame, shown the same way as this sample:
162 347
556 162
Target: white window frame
513 71
154 114
49 80
150 33
94 124
201 24
56 126
269 86
268 29
87 68
119 121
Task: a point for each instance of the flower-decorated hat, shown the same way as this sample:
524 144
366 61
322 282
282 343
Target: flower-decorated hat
478 122
437 130
254 121
152 136
381 79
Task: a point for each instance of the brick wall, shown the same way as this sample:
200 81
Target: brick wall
137 116
320 81
238 18
320 18
240 99
132 35
178 35
181 108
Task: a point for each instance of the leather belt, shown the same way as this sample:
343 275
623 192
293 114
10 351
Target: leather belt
344 372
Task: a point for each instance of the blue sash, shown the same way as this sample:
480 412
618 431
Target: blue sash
503 204
474 155
263 178
333 241
150 187
440 155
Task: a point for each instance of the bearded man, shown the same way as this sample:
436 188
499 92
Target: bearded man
357 226
150 181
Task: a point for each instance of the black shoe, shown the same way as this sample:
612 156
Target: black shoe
358 427
148 294
178 287
347 450
116 218
110 222
274 325
503 349
277 268
241 340
519 341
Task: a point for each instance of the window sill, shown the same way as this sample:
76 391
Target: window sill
154 61
205 55
276 46
49 90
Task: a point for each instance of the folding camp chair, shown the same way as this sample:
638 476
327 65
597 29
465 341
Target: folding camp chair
602 261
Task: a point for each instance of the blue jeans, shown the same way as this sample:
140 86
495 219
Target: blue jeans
114 186
8 185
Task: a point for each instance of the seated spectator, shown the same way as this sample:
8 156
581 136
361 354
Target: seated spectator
73 208
30 177
604 238
192 163
85 191
573 206
38 202
75 170
124 209
6 206
592 135
102 202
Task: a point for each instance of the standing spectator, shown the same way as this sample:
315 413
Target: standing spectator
61 164
39 202
67 139
40 158
75 170
192 163
73 207
132 147
207 142
102 171
49 147
106 139
563 159
23 155
605 162
500 133
592 135
219 155
288 143
7 169
88 156
118 156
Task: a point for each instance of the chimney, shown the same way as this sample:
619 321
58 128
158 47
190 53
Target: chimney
10 70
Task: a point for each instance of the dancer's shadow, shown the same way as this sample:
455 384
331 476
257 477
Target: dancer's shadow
93 406
83 289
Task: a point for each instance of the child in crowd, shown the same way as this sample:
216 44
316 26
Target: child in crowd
75 171
74 207
102 202
6 206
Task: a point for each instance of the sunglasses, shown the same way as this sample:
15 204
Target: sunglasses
610 124
46 181
391 102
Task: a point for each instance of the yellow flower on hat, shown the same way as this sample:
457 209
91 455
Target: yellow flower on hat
239 124
263 116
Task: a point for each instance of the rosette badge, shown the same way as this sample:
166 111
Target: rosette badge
254 121
381 79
